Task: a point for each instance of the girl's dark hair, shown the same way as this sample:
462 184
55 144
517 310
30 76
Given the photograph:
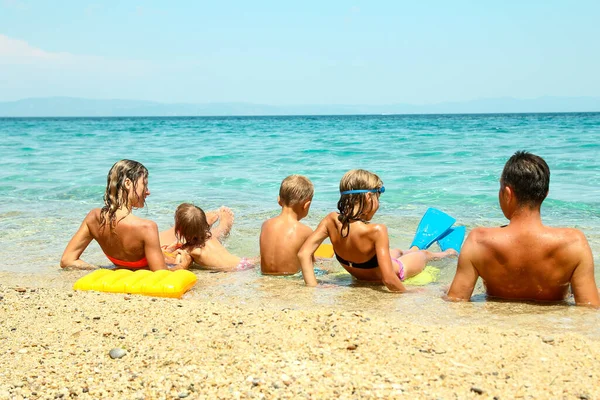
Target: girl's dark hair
116 194
528 176
191 227
352 206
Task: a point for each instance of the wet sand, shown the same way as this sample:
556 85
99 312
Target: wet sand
55 343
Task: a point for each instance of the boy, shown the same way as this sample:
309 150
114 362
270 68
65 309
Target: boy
282 236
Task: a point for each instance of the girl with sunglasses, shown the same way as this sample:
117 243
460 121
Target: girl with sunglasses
363 248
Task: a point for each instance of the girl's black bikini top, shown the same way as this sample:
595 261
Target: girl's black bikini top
372 263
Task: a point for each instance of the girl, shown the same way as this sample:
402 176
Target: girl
362 248
192 233
126 240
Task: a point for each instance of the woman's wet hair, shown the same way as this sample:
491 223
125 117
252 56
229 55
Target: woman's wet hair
191 226
353 206
117 194
528 176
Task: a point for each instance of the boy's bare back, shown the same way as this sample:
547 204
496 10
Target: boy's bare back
280 240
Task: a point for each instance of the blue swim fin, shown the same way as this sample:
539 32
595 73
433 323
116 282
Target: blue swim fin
454 239
433 225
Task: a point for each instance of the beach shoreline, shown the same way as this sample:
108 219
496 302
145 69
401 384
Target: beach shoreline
55 342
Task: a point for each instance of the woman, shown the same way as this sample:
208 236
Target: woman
127 240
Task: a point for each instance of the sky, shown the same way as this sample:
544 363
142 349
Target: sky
299 52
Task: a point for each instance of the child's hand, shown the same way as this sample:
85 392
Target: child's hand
183 259
172 247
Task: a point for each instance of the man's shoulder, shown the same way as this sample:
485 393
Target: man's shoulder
567 236
481 233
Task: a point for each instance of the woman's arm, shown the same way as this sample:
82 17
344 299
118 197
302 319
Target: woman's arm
382 249
152 250
305 255
78 243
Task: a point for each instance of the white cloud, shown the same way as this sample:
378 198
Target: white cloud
15 51
30 71
19 53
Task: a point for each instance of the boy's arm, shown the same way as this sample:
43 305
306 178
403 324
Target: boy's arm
466 273
226 218
583 282
305 255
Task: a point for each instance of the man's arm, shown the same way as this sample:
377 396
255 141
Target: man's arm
466 273
583 282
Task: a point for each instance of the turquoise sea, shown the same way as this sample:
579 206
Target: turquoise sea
53 171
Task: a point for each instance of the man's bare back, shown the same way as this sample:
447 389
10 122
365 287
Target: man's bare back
526 260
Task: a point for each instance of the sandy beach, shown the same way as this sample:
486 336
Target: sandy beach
56 343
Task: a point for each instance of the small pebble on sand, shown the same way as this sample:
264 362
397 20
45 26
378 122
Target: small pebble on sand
117 353
477 390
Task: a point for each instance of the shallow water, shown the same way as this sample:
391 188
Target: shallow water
53 171
425 307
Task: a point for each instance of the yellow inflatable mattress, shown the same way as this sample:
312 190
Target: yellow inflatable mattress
158 284
429 274
324 251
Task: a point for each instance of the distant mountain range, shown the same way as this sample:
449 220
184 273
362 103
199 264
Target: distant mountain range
79 107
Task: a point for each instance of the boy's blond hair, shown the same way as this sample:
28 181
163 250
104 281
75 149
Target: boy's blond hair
295 189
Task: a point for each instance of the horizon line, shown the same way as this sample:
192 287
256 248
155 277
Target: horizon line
299 115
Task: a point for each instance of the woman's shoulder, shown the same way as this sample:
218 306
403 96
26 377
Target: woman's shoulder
93 215
143 223
135 223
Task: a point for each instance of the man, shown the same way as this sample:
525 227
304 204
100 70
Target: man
526 260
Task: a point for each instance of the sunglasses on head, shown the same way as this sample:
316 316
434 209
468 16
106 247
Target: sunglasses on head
378 191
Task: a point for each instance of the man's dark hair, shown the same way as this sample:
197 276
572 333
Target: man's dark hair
528 176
